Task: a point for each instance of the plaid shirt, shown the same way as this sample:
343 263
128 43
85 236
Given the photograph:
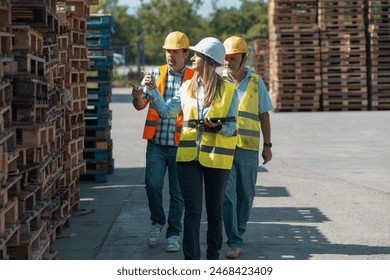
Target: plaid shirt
166 127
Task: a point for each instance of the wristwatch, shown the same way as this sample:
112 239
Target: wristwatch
267 144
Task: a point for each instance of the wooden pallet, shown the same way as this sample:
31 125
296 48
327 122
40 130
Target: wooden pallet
283 16
73 174
351 77
10 189
29 63
344 103
36 247
35 136
77 51
296 102
74 78
76 37
76 23
8 214
380 101
27 39
75 130
342 56
38 15
337 89
286 27
6 47
294 43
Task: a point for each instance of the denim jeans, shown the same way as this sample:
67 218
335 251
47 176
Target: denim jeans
191 177
158 159
239 195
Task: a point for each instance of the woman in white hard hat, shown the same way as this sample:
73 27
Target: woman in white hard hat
207 143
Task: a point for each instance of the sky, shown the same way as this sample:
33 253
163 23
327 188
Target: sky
203 11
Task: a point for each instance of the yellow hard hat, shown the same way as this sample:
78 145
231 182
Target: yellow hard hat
176 40
235 44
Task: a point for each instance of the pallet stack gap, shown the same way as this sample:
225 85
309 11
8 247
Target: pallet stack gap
98 116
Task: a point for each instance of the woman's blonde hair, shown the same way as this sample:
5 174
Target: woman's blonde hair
210 79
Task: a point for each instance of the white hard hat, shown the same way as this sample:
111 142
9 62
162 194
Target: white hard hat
212 48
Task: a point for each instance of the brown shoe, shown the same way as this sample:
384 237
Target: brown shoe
233 252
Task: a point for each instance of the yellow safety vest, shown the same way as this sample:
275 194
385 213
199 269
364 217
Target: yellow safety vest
216 150
248 120
152 115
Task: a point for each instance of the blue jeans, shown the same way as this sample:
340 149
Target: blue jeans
191 177
239 195
158 159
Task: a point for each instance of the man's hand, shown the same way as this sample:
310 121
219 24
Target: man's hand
150 81
266 154
137 92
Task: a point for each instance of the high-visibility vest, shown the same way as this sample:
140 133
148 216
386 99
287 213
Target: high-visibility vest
216 150
248 119
152 115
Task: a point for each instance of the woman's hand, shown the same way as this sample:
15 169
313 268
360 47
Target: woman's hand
212 126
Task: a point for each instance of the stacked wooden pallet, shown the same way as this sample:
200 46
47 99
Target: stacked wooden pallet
36 110
9 185
261 58
379 33
43 62
98 116
73 16
343 60
295 77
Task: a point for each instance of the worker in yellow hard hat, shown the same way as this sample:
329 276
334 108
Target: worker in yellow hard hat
252 121
163 138
207 144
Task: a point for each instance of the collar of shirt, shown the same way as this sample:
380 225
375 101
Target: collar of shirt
248 74
181 72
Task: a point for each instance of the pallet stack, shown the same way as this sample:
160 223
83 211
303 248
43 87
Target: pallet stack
343 60
261 59
295 70
43 62
10 185
98 116
37 115
73 16
379 35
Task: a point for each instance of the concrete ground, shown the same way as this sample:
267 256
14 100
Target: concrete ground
324 196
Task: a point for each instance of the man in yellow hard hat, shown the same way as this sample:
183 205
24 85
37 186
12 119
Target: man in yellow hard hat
163 137
252 121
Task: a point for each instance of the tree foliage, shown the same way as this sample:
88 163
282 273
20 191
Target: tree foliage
156 18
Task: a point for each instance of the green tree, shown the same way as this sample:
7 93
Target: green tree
159 17
249 21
